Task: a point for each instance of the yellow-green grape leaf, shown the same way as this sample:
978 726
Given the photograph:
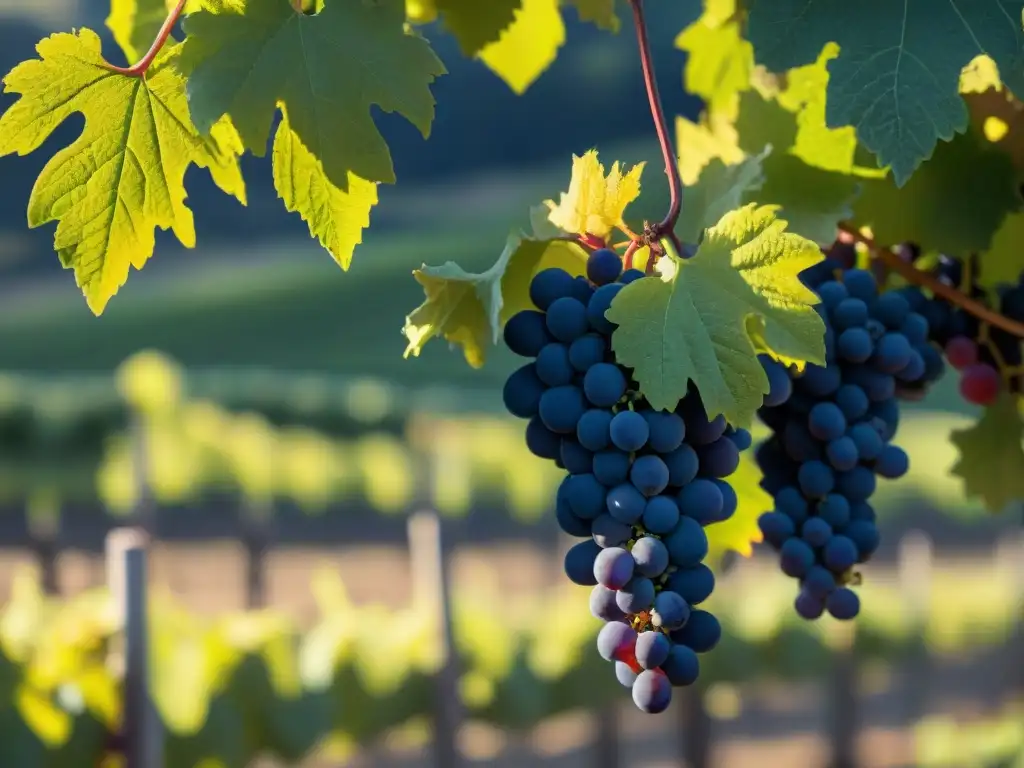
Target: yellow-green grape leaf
328 70
602 13
740 532
693 323
336 217
420 11
124 175
954 203
475 24
700 143
897 75
1003 262
135 23
595 203
469 309
529 46
991 462
720 58
719 189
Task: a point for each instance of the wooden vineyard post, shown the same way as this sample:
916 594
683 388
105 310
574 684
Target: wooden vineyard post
127 579
430 581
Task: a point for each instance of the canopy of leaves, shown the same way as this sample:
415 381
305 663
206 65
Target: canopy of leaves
704 318
991 462
124 176
897 75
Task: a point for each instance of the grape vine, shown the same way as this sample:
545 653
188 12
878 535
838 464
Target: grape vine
837 233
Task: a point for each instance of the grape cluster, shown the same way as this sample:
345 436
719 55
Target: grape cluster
641 483
831 437
988 358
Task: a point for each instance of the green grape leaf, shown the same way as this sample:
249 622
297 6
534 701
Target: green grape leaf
720 58
991 462
897 76
740 532
719 189
1004 260
599 12
714 137
475 24
469 309
328 70
955 203
335 217
124 175
135 23
694 322
529 46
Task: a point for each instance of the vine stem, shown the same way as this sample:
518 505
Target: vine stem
912 274
139 69
666 228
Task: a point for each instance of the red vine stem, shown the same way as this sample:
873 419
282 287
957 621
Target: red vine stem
667 226
912 274
139 69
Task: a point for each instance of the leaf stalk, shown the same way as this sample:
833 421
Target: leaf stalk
139 68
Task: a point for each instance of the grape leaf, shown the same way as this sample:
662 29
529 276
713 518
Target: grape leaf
693 323
954 203
328 70
740 532
599 12
595 203
134 23
124 175
1004 260
991 462
335 216
529 46
475 24
719 189
469 309
897 75
720 59
699 143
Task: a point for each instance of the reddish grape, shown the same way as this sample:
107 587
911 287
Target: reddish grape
961 352
980 384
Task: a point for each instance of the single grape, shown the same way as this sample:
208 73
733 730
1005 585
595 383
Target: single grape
652 649
687 544
616 641
980 384
856 485
611 467
816 531
548 286
567 319
864 534
569 522
580 562
629 431
609 532
891 308
701 632
682 465
670 610
561 408
796 557
702 500
834 509
604 266
855 345
831 293
541 441
776 528
840 554
849 313
816 479
576 459
651 556
603 605
604 384
553 366
915 328
523 391
582 290
587 351
636 595
843 604
526 333
599 303
649 474
741 438
893 352
867 440
694 584
730 501
682 667
861 284
586 496
625 674
826 421
631 276
819 582
667 430
625 503
612 567
792 503
661 514
652 692
718 459
780 385
820 382
892 462
842 454
809 606
593 429
852 401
